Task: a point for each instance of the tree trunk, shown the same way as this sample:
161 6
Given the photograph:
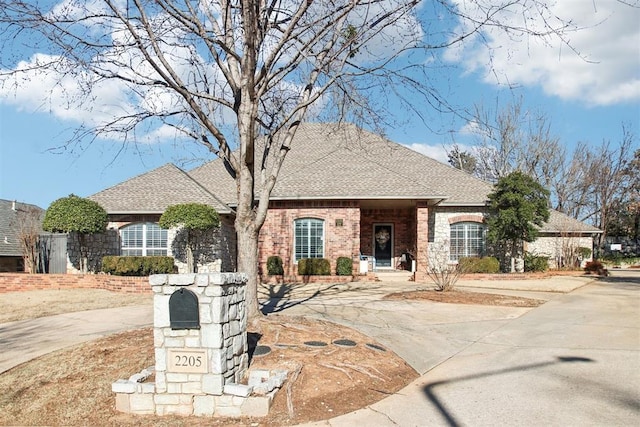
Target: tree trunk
248 264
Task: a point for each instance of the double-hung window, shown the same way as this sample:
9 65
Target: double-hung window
143 239
309 238
467 239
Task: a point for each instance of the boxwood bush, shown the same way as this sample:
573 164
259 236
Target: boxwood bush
344 266
274 266
137 265
487 265
314 267
535 263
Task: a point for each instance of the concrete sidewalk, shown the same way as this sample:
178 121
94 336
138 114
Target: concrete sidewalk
24 340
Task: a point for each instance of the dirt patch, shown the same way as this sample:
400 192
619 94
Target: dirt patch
465 297
73 387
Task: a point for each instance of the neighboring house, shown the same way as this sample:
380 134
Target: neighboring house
342 192
11 222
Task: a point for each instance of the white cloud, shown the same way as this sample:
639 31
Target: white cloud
604 73
437 152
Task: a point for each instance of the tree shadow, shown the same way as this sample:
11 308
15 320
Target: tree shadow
446 413
283 295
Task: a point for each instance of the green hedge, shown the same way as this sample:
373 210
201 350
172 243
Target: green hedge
487 265
314 267
344 266
137 265
274 266
535 263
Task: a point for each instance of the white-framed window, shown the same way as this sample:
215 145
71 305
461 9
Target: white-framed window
309 238
467 239
143 239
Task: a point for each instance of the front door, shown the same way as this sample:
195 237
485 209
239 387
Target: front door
383 245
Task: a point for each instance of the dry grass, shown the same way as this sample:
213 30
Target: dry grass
34 304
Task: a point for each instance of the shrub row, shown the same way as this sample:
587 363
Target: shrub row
137 265
487 265
312 266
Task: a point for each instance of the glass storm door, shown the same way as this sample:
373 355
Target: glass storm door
383 244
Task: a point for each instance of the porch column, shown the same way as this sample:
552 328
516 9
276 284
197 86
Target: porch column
422 240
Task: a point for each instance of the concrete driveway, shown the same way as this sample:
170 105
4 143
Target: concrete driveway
574 361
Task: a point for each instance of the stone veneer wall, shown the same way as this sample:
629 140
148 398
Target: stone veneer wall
212 386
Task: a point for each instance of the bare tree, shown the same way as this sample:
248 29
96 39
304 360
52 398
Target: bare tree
439 269
516 139
231 73
28 225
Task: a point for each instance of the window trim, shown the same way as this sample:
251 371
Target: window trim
295 237
145 248
466 240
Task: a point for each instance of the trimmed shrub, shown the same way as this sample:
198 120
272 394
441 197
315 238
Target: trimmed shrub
137 265
274 266
584 252
344 266
596 267
487 265
535 263
314 267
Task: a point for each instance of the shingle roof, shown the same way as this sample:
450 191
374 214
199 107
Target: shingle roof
154 191
9 244
562 223
331 161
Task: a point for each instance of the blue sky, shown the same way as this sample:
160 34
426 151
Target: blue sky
586 100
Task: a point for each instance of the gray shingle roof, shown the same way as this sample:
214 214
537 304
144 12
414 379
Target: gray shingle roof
9 244
154 191
562 223
331 161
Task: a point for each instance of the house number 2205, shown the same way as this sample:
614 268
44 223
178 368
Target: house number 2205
187 360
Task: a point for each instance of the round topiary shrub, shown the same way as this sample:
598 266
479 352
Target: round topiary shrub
274 266
344 266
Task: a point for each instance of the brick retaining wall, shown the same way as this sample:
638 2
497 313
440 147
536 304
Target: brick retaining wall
15 282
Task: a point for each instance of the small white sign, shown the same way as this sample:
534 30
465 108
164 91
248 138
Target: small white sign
616 246
187 360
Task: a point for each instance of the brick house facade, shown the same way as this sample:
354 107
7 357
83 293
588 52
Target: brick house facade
341 192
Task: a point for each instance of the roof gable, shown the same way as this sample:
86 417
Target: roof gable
154 191
9 242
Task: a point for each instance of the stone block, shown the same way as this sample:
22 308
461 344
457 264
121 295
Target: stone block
192 342
205 313
177 378
240 390
174 342
256 406
174 388
157 280
204 406
182 279
212 384
201 280
211 336
161 311
142 404
146 388
167 399
122 403
258 376
192 387
123 386
158 337
161 359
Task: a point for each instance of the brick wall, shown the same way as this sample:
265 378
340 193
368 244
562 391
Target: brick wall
404 229
15 282
341 230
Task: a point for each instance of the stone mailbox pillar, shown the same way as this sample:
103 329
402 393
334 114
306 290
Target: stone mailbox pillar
201 350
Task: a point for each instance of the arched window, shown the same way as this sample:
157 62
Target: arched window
143 239
309 238
467 239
